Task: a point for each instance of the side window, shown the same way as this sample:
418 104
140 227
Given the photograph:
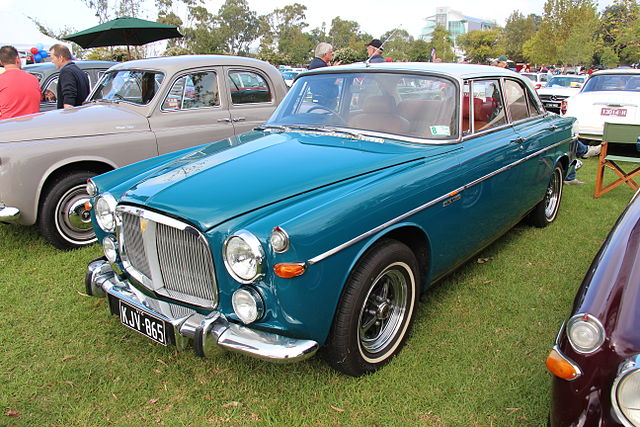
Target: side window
534 106
248 87
195 90
488 111
49 92
516 100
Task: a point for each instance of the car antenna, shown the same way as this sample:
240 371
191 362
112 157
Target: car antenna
367 62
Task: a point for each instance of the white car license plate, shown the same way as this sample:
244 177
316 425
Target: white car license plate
149 326
619 112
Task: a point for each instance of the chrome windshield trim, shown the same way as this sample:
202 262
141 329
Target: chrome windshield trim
435 201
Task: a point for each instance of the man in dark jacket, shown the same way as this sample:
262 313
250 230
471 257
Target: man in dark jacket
374 51
323 56
73 83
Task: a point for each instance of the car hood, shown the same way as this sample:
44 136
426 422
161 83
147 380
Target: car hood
223 180
73 122
558 91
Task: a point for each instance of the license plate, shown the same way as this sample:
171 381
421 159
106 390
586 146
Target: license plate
619 112
149 326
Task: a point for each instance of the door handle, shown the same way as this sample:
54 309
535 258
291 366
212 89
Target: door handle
239 119
519 140
226 119
552 128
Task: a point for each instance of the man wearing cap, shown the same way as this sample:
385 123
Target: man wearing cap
374 51
502 62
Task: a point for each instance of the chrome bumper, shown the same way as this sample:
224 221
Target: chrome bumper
9 214
207 333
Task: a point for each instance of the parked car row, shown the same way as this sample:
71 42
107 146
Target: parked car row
139 109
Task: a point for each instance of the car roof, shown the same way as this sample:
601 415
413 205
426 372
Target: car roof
173 64
451 69
617 71
49 66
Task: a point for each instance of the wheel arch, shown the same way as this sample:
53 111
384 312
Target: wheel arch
96 166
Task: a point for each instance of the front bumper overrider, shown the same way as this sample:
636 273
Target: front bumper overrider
206 333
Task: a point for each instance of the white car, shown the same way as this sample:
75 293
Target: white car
607 96
539 79
558 89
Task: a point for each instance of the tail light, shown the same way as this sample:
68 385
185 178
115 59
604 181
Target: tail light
538 86
563 108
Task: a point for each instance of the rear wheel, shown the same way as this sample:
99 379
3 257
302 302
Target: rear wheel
546 211
63 219
376 310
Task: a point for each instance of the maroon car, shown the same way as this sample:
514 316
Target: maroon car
596 358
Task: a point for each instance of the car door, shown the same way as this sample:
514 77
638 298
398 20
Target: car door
49 93
491 202
192 112
535 132
251 97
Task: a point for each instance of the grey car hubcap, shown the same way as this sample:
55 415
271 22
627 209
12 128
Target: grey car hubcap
73 220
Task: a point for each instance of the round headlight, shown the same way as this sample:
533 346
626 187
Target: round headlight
585 333
279 240
110 248
247 305
243 257
92 190
105 212
626 395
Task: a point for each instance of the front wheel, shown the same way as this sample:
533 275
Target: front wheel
376 310
63 219
546 211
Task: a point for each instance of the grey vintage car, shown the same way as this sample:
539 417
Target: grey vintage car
140 109
47 74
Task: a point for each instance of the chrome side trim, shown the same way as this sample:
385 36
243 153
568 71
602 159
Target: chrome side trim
437 200
9 214
208 333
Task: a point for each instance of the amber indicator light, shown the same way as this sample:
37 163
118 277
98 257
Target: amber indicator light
87 206
288 271
560 367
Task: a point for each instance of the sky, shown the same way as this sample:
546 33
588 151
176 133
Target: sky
374 16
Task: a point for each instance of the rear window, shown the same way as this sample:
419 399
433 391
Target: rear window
613 82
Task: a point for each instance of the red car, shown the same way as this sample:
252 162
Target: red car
596 358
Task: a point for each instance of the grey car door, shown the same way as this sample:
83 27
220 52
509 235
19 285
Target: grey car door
192 111
251 97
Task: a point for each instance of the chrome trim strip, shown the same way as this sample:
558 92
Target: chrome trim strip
437 200
211 332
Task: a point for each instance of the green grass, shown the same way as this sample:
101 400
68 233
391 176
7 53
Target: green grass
475 357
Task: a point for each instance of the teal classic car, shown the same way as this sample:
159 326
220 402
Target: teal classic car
321 228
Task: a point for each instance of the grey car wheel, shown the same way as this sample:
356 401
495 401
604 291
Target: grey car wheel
64 220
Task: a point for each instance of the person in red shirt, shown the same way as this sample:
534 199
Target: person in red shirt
19 91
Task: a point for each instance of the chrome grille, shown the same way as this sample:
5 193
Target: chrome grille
167 256
134 245
185 263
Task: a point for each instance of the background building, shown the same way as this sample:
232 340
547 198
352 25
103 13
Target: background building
456 23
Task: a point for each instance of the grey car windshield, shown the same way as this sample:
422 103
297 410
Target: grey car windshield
565 81
403 104
135 86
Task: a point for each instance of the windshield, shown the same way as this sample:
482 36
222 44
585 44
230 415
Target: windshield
402 104
135 86
564 81
613 82
531 77
289 75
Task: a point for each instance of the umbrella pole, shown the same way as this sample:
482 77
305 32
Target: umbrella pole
129 52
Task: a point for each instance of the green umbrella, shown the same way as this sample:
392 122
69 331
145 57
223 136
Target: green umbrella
124 31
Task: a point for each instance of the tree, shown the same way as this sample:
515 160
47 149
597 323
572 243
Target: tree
202 37
560 19
347 34
237 26
419 51
397 44
518 30
479 46
442 43
282 32
580 46
620 29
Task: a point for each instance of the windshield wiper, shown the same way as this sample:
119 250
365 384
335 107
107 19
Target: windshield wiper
272 127
106 101
324 129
